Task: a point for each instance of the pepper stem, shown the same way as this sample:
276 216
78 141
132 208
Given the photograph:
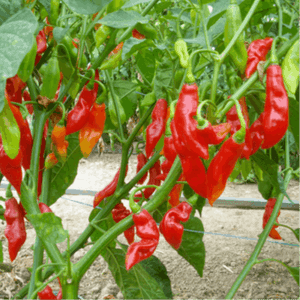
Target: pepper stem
202 123
273 57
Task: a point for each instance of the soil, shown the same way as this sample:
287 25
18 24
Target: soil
225 256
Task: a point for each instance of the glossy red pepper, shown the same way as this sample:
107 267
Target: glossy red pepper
176 192
156 129
233 120
268 211
14 86
141 161
92 131
78 116
257 51
44 208
276 111
118 214
108 190
153 173
221 167
58 137
41 42
26 141
11 168
147 230
186 125
137 35
47 293
257 133
192 166
170 225
15 227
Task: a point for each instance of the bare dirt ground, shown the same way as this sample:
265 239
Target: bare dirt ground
225 256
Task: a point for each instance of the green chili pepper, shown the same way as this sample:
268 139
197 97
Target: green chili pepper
147 30
51 78
182 52
54 11
114 58
64 60
10 131
101 35
149 99
189 78
112 110
27 65
238 52
290 68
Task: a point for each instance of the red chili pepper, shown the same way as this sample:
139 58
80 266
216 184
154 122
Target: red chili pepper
47 293
108 190
15 227
119 213
186 125
44 208
26 141
137 35
58 137
192 165
276 112
257 133
221 167
142 160
147 230
41 42
26 97
79 115
156 129
170 225
14 86
257 52
215 134
268 211
91 132
153 173
11 168
176 192
117 49
233 119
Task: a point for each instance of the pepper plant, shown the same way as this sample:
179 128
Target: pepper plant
214 86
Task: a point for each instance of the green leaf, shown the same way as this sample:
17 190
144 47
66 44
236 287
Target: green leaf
64 173
132 45
236 171
296 232
48 226
86 7
246 168
268 166
47 5
158 271
163 78
145 62
9 8
294 271
294 118
188 193
16 40
135 283
134 2
123 19
192 247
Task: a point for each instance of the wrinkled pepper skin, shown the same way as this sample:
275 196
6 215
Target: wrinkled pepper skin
182 52
215 134
108 190
276 111
14 86
47 293
58 137
268 211
170 225
257 52
92 131
153 173
141 161
137 35
257 133
147 230
156 129
15 227
118 214
176 192
11 168
186 125
192 166
78 116
221 167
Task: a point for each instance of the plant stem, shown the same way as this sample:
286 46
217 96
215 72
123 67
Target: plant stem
279 17
252 260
